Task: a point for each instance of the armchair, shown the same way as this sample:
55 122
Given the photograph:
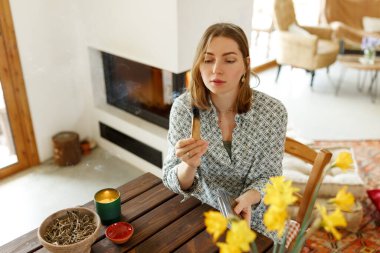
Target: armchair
309 48
347 18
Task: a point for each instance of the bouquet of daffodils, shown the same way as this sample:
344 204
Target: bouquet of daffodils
279 195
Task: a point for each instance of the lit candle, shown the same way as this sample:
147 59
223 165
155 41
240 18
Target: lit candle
107 195
108 205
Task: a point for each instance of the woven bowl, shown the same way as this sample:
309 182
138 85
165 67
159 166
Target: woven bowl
82 246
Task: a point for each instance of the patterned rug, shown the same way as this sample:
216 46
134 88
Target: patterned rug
367 239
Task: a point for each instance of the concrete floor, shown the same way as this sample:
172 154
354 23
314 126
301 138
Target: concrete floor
314 113
317 113
32 195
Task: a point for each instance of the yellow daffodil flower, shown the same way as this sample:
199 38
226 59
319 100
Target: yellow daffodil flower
329 222
227 248
343 161
216 224
240 235
280 192
344 200
275 219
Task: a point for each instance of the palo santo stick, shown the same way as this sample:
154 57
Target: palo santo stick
196 125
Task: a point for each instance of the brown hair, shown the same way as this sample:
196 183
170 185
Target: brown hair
199 92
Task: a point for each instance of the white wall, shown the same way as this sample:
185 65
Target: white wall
50 43
163 33
194 16
143 31
59 40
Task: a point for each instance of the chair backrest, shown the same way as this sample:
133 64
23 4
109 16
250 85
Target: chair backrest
349 12
318 160
284 14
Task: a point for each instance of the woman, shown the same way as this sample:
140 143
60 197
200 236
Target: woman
243 131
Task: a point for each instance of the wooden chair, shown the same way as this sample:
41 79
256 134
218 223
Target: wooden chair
319 160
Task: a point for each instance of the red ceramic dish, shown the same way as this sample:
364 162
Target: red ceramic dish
119 232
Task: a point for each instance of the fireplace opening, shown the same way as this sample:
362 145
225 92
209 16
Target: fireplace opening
142 90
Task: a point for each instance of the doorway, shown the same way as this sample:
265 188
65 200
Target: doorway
18 149
7 151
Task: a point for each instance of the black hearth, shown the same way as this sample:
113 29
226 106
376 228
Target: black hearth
142 90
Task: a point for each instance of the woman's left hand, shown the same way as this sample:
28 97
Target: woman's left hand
244 203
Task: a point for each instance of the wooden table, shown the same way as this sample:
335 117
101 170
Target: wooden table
161 222
353 61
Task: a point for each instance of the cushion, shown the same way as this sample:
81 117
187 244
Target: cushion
298 171
294 28
293 229
294 134
374 195
327 47
371 24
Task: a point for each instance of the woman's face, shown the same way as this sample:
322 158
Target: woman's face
223 66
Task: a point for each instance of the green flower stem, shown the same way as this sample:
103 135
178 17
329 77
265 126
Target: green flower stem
316 224
300 239
275 248
283 241
254 247
298 247
327 170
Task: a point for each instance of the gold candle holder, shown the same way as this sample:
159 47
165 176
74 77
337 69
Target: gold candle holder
108 205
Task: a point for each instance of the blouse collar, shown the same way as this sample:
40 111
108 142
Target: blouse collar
239 117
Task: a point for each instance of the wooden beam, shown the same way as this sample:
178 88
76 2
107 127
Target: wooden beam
265 66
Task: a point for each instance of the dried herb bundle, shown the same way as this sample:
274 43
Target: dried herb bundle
70 228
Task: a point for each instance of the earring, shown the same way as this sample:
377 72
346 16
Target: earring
242 80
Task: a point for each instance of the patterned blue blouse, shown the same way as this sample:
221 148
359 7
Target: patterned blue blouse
256 153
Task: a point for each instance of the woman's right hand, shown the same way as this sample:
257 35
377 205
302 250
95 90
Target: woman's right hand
190 151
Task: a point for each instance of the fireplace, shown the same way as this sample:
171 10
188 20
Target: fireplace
129 108
142 90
